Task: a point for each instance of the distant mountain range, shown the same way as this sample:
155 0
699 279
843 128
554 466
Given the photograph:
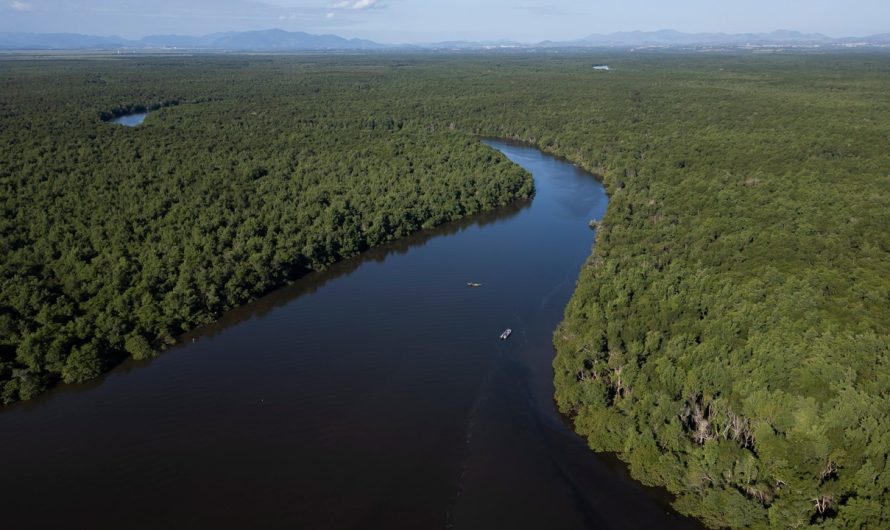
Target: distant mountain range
58 41
671 38
267 40
676 38
276 40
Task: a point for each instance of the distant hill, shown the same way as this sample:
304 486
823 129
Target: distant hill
676 38
280 40
874 40
472 45
181 41
60 41
267 40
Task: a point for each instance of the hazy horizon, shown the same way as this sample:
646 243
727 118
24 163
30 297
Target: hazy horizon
403 21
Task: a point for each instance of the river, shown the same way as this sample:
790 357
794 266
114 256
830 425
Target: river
376 394
130 120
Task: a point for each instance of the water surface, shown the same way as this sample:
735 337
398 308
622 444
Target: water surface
130 120
374 395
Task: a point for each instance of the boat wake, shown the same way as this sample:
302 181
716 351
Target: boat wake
472 421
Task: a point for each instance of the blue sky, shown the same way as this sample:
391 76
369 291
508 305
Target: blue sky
432 20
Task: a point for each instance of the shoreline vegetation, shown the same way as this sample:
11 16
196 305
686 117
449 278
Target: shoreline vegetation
723 339
198 215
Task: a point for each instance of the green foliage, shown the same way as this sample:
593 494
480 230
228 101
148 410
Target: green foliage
82 364
728 337
138 347
247 175
735 308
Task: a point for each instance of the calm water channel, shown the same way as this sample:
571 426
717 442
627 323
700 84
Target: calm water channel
130 120
374 395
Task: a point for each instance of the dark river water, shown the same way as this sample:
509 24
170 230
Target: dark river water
374 395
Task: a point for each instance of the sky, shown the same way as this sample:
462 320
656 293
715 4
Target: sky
402 21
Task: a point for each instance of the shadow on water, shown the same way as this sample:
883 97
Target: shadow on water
307 284
512 142
374 394
135 114
313 281
598 486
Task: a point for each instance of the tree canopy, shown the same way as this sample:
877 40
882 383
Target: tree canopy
728 337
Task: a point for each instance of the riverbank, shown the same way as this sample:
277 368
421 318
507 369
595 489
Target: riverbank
350 398
156 230
717 296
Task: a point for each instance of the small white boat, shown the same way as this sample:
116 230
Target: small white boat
473 284
506 334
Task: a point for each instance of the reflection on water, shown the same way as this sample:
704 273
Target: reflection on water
311 282
130 120
375 394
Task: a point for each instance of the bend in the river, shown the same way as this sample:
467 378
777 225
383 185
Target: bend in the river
373 395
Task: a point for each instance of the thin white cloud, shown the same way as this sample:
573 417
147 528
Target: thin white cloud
548 10
136 18
15 5
356 4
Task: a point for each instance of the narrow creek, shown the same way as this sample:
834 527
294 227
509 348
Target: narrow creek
130 120
376 394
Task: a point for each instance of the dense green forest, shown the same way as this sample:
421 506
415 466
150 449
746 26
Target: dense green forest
117 240
729 337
